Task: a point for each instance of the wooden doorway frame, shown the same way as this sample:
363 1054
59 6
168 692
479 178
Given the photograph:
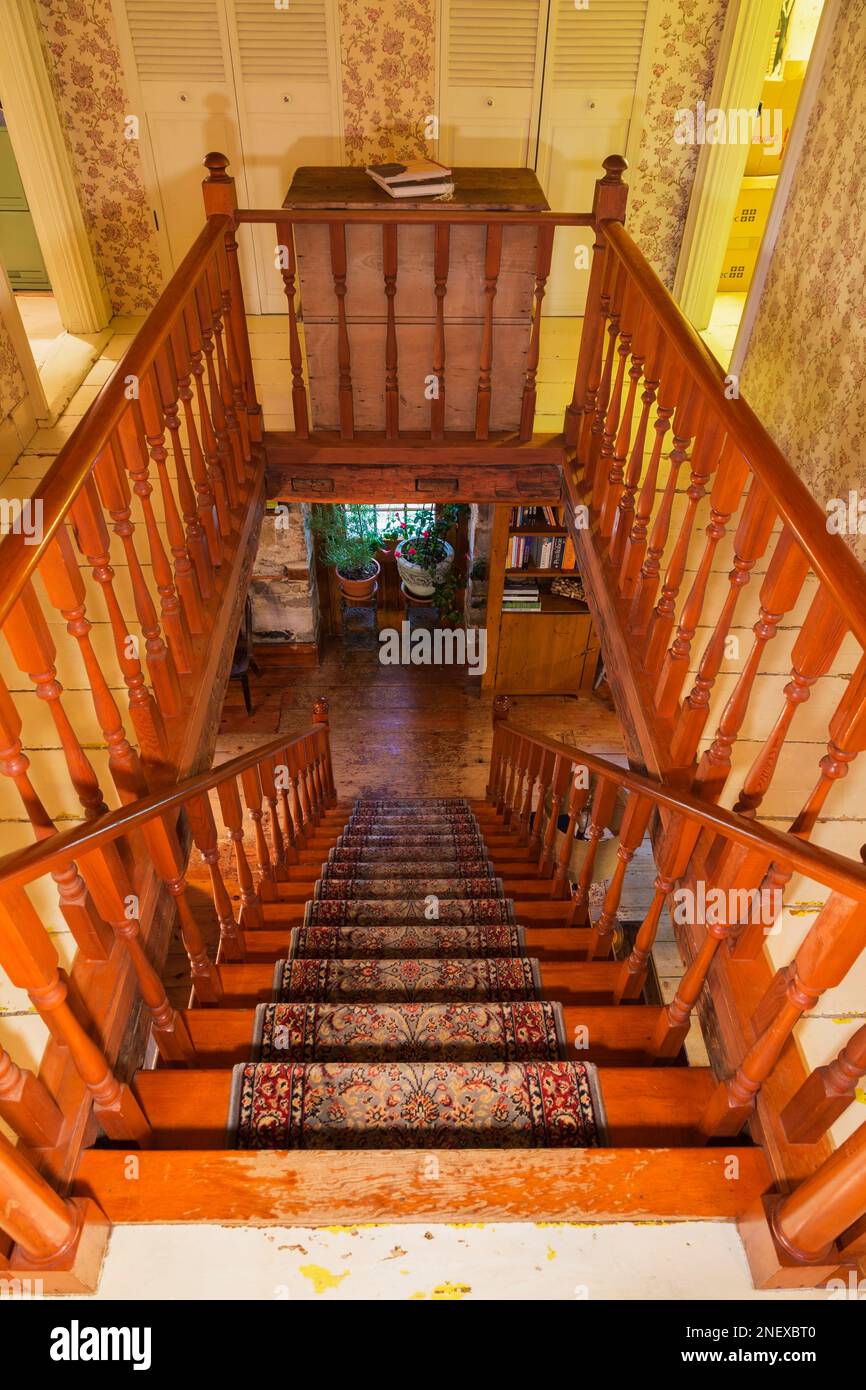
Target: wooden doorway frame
43 161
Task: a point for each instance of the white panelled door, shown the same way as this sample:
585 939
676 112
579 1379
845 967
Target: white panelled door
591 81
253 80
491 63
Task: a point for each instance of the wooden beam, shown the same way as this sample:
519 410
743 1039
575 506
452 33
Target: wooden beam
329 1188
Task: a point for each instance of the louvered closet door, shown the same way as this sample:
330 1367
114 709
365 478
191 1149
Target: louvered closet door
591 80
491 58
177 51
285 63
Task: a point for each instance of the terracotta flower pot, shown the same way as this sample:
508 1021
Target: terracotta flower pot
359 588
418 579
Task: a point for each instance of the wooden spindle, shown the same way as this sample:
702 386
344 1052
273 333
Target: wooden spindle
631 340
168 396
220 197
847 739
26 1105
29 958
229 464
322 717
499 713
32 647
204 834
283 783
234 351
205 499
64 586
269 791
211 286
337 237
807 1222
632 830
315 779
165 852
48 1230
286 239
252 789
544 251
492 263
782 584
578 795
389 273
232 814
593 424
672 857
634 549
543 787
529 761
114 895
441 255
826 1093
750 542
601 811
133 451
222 487
607 477
91 535
652 359
558 784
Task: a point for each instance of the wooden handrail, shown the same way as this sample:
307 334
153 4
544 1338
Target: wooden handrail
73 465
832 560
25 865
421 216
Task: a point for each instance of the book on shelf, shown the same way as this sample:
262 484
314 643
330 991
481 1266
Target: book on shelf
534 516
540 553
523 606
414 179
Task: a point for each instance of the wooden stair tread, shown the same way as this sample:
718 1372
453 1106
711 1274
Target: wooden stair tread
562 944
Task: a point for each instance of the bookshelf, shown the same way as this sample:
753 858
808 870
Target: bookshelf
548 648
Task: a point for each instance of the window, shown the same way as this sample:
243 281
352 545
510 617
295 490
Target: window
380 516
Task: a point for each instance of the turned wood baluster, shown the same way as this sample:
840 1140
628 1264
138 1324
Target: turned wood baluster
300 805
603 802
389 272
184 573
282 783
492 263
783 581
578 796
441 255
44 1227
607 476
516 771
27 1107
205 500
315 765
812 656
632 830
130 436
220 198
650 571
635 543
653 349
598 384
267 776
168 399
92 936
529 761
286 238
827 1205
29 958
206 840
30 642
114 493
64 586
507 770
91 535
673 857
538 791
750 542
724 499
544 251
826 1093
558 784
499 712
705 458
322 717
234 351
233 819
616 479
616 289
239 445
337 236
215 408
217 452
165 851
252 789
847 739
830 949
114 896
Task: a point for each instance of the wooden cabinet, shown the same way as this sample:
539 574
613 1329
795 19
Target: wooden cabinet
415 299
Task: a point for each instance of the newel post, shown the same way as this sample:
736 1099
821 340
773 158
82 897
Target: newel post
322 715
501 706
608 205
220 199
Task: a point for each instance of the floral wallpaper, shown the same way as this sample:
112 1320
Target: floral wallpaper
804 367
84 66
12 385
683 64
388 77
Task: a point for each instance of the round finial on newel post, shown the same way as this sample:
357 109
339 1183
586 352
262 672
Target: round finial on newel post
614 168
501 706
321 710
216 165
611 194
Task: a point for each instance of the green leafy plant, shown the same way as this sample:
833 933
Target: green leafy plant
348 538
422 537
445 599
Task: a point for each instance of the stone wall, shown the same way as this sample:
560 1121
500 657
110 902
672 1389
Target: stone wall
283 591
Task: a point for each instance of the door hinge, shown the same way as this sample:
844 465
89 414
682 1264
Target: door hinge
155 220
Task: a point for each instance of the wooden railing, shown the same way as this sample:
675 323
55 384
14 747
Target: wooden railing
702 857
283 788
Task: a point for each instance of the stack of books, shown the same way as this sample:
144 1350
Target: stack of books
535 516
419 178
540 553
521 596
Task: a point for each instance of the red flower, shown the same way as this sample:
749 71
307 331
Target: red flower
411 550
425 534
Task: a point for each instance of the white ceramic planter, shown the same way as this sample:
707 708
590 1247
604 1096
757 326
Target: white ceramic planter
418 579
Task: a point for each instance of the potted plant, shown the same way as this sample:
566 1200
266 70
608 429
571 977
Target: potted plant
445 599
424 557
349 542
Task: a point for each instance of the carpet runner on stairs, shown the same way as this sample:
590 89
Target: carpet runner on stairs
406 1012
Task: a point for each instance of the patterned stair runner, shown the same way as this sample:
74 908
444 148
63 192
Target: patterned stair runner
406 1012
